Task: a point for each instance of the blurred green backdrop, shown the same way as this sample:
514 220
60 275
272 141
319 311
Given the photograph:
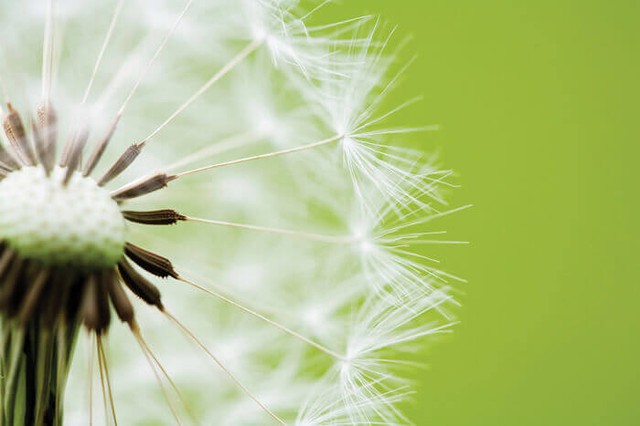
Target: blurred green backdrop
538 106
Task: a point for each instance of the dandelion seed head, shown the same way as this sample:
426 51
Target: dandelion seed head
273 266
46 220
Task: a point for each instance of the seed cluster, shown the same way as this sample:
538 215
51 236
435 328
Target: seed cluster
63 249
77 224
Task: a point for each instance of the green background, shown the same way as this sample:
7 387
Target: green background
538 106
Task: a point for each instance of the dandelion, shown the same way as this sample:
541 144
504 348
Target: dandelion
204 218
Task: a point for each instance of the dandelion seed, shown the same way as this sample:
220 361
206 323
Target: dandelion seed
206 193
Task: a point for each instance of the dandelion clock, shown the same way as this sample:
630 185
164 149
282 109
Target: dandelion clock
206 217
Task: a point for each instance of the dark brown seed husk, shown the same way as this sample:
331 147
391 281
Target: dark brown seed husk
151 262
143 187
139 285
154 217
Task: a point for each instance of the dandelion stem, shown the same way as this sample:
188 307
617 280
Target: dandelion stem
220 147
262 156
43 376
264 318
107 39
235 61
47 52
138 335
154 57
188 333
62 361
102 385
306 235
135 330
31 379
91 366
103 359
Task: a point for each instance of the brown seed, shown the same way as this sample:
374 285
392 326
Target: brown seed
75 150
143 187
56 294
46 131
154 217
150 262
122 163
95 305
139 285
33 296
98 151
14 129
10 283
120 300
7 160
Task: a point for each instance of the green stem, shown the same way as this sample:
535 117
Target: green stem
33 372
